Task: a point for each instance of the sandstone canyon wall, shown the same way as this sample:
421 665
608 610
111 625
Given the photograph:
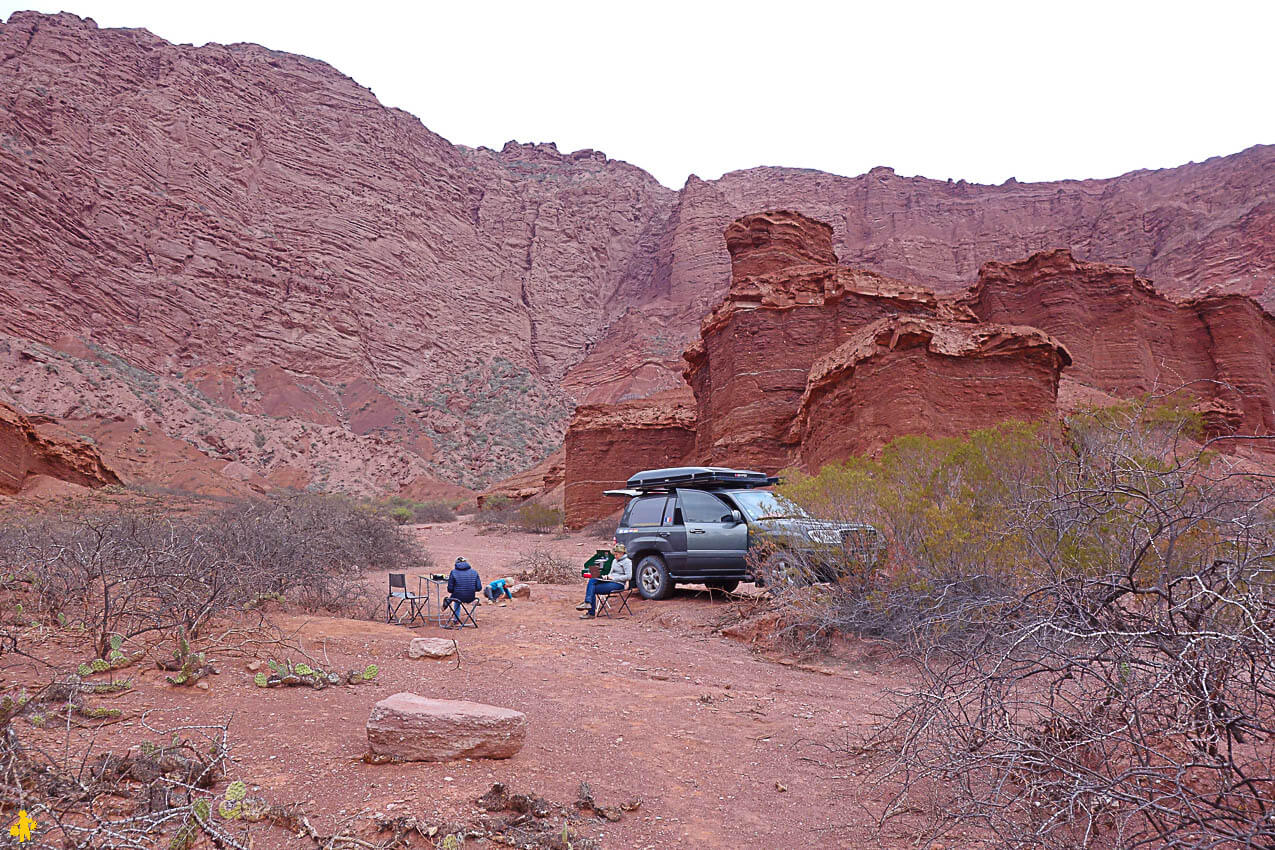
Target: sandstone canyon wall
606 443
1128 339
294 282
913 375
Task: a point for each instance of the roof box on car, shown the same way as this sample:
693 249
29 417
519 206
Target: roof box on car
699 477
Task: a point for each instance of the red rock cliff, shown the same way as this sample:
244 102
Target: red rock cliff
258 226
1128 339
914 375
606 443
751 365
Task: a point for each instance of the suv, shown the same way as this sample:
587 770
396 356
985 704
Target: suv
698 525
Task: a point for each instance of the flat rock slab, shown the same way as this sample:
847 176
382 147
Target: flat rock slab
415 728
427 647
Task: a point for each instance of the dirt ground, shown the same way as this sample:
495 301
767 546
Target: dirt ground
724 748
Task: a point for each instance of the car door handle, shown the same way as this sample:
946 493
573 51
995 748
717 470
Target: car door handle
662 533
696 531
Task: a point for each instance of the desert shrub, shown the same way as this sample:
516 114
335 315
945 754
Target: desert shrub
532 517
142 570
401 515
433 512
542 565
537 518
1090 615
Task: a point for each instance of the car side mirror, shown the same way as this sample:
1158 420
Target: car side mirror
735 518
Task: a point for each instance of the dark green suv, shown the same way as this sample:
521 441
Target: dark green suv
698 525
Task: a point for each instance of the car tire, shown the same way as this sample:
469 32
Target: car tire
779 568
653 581
726 585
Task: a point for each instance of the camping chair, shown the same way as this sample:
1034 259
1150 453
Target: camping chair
465 616
604 601
397 595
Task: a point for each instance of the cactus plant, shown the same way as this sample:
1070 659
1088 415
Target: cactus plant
369 672
260 680
99 665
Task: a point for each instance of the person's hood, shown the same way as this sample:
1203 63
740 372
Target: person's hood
462 565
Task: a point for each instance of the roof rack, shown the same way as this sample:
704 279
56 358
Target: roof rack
699 477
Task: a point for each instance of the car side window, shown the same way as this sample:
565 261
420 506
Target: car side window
647 511
698 506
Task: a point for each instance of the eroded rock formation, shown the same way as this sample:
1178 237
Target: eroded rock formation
606 443
34 447
915 375
789 304
1128 339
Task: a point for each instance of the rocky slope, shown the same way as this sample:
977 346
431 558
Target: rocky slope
254 230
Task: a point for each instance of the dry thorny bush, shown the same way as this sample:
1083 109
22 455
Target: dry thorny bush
141 571
1090 617
543 566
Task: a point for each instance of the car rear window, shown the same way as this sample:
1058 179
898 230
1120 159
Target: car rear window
647 511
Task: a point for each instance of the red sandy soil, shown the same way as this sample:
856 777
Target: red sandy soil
657 707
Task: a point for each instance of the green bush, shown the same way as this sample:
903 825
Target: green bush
433 512
401 515
538 519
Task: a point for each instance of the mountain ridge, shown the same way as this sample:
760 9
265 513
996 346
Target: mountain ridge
257 226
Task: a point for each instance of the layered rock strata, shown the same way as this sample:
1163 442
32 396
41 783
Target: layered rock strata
1129 340
606 443
33 447
789 304
915 375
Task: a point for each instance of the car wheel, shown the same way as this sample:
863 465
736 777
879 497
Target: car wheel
652 578
727 585
780 571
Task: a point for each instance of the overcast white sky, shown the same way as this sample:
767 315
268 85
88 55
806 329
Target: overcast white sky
976 90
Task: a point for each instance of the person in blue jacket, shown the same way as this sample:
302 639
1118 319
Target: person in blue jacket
463 585
498 588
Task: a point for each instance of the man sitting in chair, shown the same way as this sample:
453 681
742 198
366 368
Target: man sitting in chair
463 585
613 580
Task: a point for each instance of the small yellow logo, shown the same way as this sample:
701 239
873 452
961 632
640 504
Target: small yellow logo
21 829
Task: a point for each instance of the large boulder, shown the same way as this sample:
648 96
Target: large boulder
415 728
520 590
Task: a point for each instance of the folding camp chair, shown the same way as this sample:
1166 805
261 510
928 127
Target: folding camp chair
466 614
397 595
604 602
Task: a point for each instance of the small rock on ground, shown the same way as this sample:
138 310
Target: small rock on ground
431 647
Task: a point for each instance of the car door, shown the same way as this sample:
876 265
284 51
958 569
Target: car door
649 526
715 543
